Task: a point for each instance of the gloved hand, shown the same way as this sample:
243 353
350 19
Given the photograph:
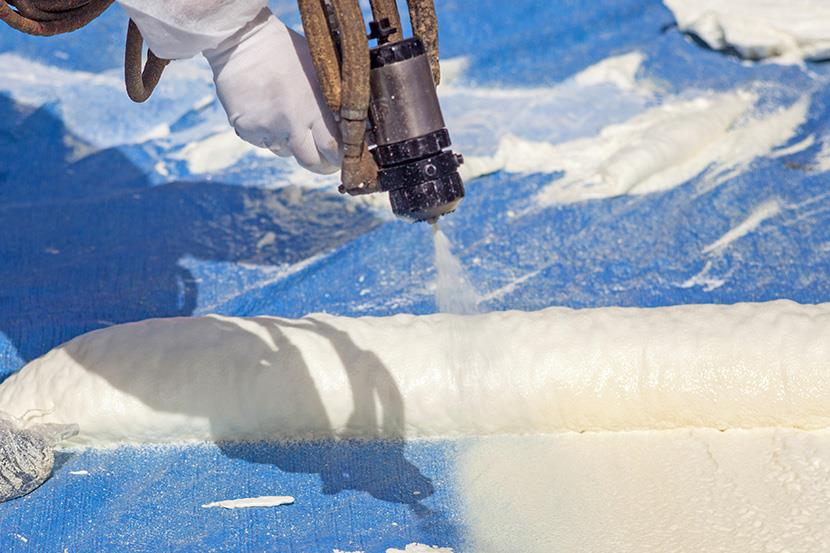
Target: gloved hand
263 71
266 82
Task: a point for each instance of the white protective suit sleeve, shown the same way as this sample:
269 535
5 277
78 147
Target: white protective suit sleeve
177 29
263 72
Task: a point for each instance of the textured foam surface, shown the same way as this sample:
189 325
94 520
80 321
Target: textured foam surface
555 370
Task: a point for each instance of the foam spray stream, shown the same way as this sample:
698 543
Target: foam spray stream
453 292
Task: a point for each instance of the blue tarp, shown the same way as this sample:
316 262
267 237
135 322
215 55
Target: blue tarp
103 221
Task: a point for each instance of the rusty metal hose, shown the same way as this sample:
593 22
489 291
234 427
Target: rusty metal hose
359 171
324 51
425 26
50 17
55 17
336 35
140 83
388 9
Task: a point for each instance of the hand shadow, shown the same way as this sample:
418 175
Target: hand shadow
368 455
86 241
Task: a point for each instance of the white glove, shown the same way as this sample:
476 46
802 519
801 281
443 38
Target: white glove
266 82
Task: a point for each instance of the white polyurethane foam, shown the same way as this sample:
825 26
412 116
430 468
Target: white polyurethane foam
224 378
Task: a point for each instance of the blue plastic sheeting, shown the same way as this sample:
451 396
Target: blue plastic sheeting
103 220
352 496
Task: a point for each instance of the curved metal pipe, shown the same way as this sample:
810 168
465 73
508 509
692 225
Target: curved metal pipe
425 26
388 9
323 50
140 83
29 10
55 5
359 171
54 18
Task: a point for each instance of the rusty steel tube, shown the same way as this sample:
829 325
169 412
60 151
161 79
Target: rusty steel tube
323 50
54 17
56 5
140 82
388 9
51 18
359 171
425 26
31 11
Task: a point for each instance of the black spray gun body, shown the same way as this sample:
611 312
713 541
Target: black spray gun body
393 131
411 140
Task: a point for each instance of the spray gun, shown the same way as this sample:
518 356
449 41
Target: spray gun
393 131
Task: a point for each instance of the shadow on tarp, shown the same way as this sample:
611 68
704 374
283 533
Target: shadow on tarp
137 498
377 467
253 379
87 242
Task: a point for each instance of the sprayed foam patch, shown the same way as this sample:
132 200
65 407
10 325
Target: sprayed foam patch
216 152
821 163
420 548
785 32
760 214
251 502
647 492
479 117
713 135
95 106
